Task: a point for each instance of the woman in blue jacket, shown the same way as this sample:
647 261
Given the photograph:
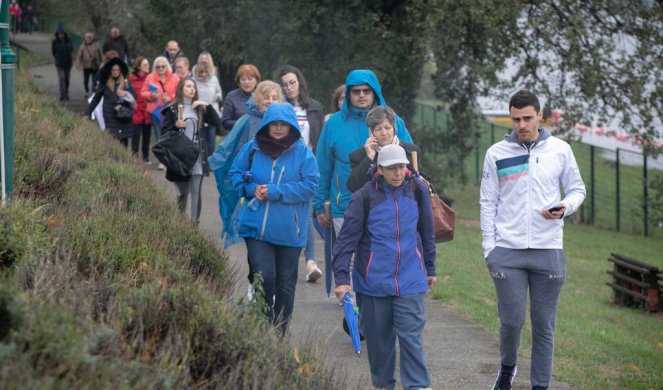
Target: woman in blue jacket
389 228
277 175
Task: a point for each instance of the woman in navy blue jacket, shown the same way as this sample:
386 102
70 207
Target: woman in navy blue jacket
389 228
277 175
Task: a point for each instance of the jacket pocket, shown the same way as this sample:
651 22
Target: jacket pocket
297 223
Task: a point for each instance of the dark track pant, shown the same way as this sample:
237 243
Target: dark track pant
514 272
141 131
63 81
88 78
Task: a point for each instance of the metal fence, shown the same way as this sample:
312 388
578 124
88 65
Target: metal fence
618 182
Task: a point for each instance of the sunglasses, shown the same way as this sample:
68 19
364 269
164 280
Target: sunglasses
359 91
160 66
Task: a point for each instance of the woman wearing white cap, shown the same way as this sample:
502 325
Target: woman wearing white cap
391 271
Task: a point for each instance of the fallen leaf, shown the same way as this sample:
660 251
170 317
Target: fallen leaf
52 221
306 369
163 282
660 345
633 367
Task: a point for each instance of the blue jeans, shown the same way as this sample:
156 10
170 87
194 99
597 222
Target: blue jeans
309 251
382 320
278 266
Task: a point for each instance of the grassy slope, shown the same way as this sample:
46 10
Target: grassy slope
102 283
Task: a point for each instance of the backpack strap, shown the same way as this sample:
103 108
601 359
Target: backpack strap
364 196
251 154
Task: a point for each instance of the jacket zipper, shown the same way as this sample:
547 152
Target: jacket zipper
421 258
264 217
398 246
529 192
297 223
368 266
338 192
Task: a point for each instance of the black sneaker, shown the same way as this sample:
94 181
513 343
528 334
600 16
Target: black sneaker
504 380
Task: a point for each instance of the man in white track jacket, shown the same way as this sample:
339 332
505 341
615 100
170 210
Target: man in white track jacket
522 215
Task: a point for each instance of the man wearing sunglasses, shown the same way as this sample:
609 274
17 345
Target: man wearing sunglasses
344 132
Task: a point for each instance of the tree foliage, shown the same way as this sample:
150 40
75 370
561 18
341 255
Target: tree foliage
599 61
325 39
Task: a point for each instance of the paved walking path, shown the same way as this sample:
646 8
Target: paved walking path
460 354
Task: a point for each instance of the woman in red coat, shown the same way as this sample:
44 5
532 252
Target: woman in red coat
140 119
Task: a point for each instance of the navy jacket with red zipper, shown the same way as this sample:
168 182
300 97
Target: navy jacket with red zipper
395 247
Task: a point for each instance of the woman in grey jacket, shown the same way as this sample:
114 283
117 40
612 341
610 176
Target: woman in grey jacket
209 90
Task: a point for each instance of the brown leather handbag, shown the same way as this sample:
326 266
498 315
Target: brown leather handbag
443 215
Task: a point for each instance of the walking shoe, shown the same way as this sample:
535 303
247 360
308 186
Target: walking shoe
504 380
147 161
313 273
161 167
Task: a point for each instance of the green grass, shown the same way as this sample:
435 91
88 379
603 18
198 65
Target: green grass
598 345
104 284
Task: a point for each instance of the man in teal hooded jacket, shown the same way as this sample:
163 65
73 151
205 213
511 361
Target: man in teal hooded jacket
344 132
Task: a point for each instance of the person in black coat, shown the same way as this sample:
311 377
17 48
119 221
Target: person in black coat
62 50
188 114
247 78
381 123
113 87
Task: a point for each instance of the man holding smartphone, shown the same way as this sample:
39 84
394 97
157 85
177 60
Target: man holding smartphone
522 227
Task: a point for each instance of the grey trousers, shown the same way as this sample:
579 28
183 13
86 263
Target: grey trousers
514 272
384 320
184 188
63 81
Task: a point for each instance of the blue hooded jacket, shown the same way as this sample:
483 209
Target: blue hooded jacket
221 160
291 182
344 132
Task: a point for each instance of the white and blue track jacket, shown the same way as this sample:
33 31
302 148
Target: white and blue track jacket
518 183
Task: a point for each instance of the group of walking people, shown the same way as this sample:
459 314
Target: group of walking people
283 168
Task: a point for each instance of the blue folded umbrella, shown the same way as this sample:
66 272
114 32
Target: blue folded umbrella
351 320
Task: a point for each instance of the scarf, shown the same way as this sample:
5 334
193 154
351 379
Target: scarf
394 142
273 147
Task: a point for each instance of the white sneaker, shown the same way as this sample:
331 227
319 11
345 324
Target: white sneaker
161 167
313 273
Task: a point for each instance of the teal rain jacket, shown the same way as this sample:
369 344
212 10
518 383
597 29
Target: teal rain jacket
344 132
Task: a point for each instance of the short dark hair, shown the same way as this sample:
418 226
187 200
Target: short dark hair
524 98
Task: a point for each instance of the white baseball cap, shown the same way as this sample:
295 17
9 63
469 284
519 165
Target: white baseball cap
391 155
